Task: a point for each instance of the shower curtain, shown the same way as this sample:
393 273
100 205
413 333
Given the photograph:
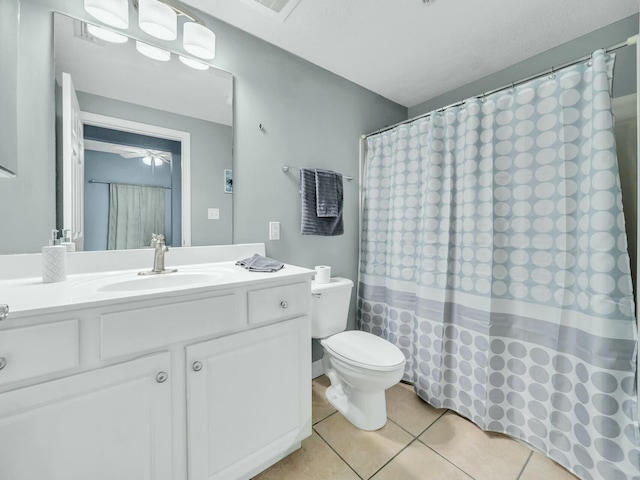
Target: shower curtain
135 212
494 256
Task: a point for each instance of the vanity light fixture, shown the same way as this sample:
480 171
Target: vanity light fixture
198 40
152 52
112 12
106 35
158 19
190 62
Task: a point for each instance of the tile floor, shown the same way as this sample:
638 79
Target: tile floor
417 443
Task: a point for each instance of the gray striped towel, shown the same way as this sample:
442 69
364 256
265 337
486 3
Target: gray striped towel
312 224
327 193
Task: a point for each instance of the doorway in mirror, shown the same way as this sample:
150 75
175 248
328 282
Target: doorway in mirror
132 189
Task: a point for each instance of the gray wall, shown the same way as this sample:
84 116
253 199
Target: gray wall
311 118
27 203
211 148
625 70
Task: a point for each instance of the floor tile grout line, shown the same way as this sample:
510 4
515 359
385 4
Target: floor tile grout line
392 458
432 423
401 427
339 456
324 418
446 459
525 465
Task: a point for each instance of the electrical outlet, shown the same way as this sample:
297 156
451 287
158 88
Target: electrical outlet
274 230
213 213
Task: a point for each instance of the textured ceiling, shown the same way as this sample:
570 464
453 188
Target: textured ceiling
409 52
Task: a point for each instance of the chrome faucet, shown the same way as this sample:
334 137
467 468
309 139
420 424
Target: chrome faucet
157 243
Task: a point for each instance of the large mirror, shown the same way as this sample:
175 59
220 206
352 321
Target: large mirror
143 144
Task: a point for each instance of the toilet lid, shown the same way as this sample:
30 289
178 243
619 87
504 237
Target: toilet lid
366 349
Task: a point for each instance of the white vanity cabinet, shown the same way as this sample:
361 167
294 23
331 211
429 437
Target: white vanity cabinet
109 423
248 399
201 384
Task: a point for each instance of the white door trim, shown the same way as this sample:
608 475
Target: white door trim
184 138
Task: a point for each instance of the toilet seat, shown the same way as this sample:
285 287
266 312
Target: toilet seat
364 350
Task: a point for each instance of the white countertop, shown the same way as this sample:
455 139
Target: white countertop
29 296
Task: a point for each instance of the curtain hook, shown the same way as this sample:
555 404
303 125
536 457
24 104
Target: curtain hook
553 75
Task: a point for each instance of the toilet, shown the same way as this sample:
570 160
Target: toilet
360 365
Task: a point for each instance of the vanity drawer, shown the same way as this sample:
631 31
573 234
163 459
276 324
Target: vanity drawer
143 329
270 304
38 350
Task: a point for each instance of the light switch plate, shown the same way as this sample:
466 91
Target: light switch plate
213 213
274 230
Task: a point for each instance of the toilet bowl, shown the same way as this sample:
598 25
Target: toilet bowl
360 365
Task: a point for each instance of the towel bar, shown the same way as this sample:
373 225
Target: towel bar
286 168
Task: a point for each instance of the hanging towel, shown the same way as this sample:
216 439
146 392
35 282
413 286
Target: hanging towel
327 204
312 224
258 263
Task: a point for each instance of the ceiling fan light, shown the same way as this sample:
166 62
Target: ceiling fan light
158 19
190 62
198 40
147 160
152 52
106 35
157 161
112 12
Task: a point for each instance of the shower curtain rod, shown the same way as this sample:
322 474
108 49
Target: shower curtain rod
131 184
630 41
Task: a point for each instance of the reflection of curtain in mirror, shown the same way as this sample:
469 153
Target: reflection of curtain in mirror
135 212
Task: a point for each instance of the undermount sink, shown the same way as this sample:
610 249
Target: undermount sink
132 282
155 282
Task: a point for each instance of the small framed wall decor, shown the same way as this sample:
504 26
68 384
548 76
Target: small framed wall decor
228 181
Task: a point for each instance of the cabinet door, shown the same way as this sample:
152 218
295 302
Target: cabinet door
249 399
107 424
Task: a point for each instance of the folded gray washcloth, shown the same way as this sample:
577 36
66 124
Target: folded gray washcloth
312 224
258 263
327 203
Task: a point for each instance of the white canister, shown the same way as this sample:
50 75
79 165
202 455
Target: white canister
323 274
54 263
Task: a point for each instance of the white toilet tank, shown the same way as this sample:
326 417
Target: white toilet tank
330 306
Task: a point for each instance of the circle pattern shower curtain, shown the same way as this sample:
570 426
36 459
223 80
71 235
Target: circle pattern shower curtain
494 255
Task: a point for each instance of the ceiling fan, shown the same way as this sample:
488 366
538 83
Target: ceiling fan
149 156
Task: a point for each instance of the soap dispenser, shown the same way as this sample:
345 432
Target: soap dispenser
66 240
54 260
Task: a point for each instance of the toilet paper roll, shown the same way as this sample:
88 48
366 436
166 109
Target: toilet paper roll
323 274
54 264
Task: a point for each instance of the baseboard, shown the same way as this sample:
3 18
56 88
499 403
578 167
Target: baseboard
316 369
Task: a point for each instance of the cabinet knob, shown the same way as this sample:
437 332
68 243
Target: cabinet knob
197 366
162 377
3 362
4 311
284 304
